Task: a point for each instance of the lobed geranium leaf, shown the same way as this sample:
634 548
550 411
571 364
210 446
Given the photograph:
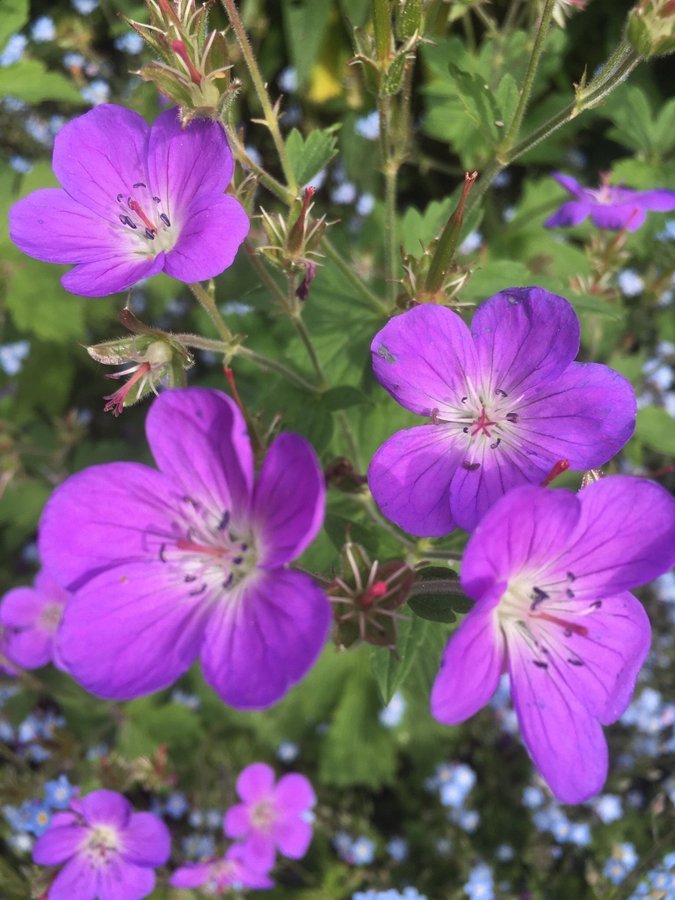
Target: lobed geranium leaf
309 155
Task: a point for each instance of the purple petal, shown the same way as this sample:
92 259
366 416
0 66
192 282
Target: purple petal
101 154
571 213
585 416
132 629
625 537
104 515
120 880
49 225
472 664
410 477
565 741
191 876
294 794
237 821
289 500
630 216
521 532
293 838
21 607
58 844
211 233
199 439
570 184
599 655
111 275
255 783
30 648
263 639
659 200
184 163
424 357
249 876
76 879
258 852
524 337
106 808
487 473
147 841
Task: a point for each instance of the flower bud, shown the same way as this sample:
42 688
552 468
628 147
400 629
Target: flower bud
651 27
366 596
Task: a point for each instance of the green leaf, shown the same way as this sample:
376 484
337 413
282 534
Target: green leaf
656 429
434 607
477 100
14 16
306 24
31 81
343 397
390 672
39 305
308 156
506 96
341 529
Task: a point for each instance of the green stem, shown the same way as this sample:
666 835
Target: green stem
530 74
350 438
348 271
306 339
271 118
271 365
382 28
268 181
208 304
390 165
618 67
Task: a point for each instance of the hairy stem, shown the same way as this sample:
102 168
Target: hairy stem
271 118
208 304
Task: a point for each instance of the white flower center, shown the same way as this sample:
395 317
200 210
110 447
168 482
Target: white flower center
101 845
141 216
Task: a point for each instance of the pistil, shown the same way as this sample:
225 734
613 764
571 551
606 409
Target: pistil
481 424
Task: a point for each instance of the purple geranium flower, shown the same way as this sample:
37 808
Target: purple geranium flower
31 617
550 573
191 560
609 207
136 200
216 876
271 815
110 852
507 405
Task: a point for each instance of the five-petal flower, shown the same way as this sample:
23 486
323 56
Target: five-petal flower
109 851
611 207
550 572
506 402
31 617
135 200
190 560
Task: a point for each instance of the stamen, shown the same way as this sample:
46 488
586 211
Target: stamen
511 417
165 219
471 467
540 664
224 521
125 220
182 544
150 234
561 466
140 184
496 444
575 662
571 627
135 205
501 393
198 591
538 597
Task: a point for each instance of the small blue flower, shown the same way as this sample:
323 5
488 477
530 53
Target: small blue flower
344 193
608 807
177 805
20 164
365 204
287 751
504 853
38 817
630 283
13 50
43 30
196 818
362 852
97 92
480 885
213 819
368 127
58 793
131 42
533 797
393 712
12 356
397 848
471 242
288 80
580 834
84 7
73 60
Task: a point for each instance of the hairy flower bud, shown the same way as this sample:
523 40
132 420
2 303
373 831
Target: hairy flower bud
366 596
